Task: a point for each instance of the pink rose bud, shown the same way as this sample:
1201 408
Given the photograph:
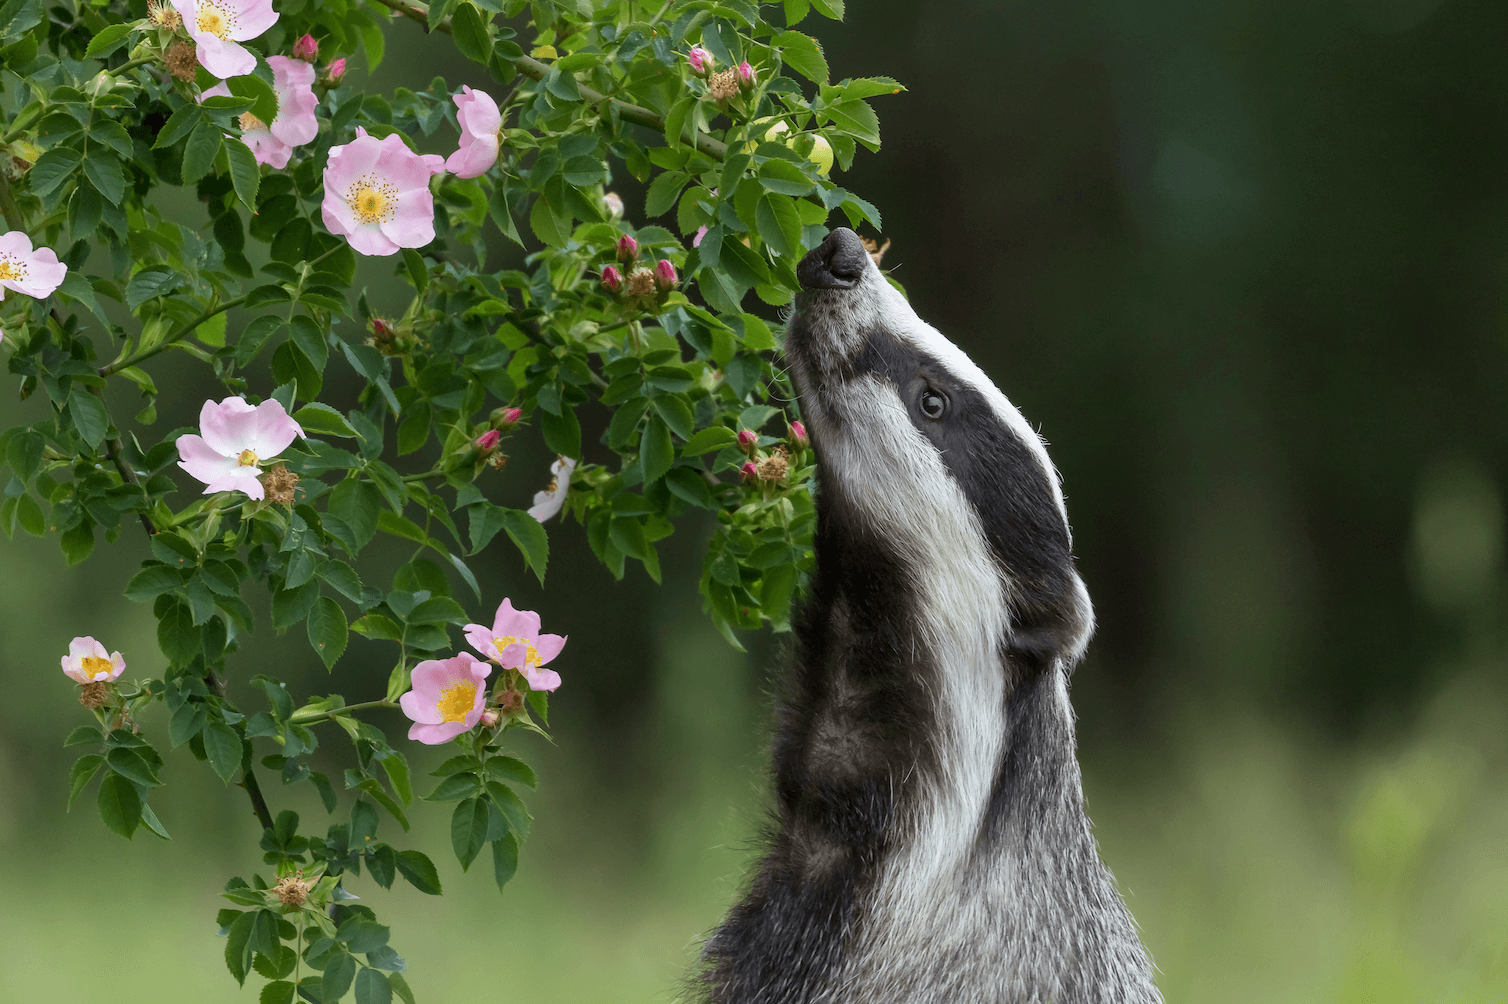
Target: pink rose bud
487 441
335 71
747 439
700 60
612 279
665 275
749 471
628 248
745 76
306 49
490 718
798 436
613 203
507 418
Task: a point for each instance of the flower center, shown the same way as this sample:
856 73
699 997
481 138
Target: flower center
250 123
11 271
215 20
94 666
456 702
373 200
532 658
248 458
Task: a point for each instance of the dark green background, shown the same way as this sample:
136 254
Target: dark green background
1244 265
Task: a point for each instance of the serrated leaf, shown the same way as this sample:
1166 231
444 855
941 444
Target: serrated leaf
223 747
468 830
84 769
530 538
245 173
419 871
199 153
119 805
803 54
327 630
656 451
321 418
110 38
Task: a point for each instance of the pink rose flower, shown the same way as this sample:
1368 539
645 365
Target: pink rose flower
237 439
696 241
217 25
480 122
33 272
514 642
88 662
447 698
272 143
377 194
550 501
306 49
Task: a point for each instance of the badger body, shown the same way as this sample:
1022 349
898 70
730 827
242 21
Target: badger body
931 843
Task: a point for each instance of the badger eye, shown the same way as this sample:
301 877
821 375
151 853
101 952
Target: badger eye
933 404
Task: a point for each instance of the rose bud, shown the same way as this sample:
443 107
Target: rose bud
746 76
506 418
490 718
613 203
306 49
797 436
335 72
749 471
747 440
700 60
612 279
487 441
628 248
665 274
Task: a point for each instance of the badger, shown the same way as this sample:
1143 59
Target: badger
929 843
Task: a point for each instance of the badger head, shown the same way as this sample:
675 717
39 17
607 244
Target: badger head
920 451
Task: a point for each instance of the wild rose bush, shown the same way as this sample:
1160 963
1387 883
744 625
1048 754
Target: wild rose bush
666 329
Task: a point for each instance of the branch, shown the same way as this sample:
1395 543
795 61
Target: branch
254 790
535 70
170 340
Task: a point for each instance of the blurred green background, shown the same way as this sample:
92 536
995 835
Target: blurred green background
1244 262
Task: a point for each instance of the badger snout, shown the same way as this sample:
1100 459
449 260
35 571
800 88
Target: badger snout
837 263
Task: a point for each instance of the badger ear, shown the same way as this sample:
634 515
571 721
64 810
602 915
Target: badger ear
1052 624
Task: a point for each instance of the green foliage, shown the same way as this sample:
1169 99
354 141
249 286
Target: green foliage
260 295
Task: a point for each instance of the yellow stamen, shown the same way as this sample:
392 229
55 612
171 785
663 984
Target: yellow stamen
250 123
456 702
532 657
94 666
10 271
215 20
373 200
247 459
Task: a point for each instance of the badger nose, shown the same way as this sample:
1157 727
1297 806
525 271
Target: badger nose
836 263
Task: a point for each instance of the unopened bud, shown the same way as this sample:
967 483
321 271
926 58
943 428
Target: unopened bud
747 440
746 76
306 49
798 436
749 471
487 441
700 60
628 248
665 274
335 71
612 280
490 718
505 418
613 203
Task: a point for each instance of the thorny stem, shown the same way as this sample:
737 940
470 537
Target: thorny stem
254 790
170 340
130 65
535 70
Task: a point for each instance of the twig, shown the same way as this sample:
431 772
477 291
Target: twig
253 789
535 70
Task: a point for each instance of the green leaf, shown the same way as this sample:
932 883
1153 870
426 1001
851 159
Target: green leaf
119 805
656 451
468 830
372 987
803 54
104 172
463 785
829 8
779 224
238 946
400 987
339 972
131 765
396 768
251 86
662 192
530 538
277 992
322 419
199 153
562 432
507 768
327 630
52 169
178 125
504 859
470 33
29 515
245 173
417 271
153 581
716 437
82 734
24 454
186 723
510 805
223 747
356 504
858 119
542 221
419 871
107 41
88 413
84 769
